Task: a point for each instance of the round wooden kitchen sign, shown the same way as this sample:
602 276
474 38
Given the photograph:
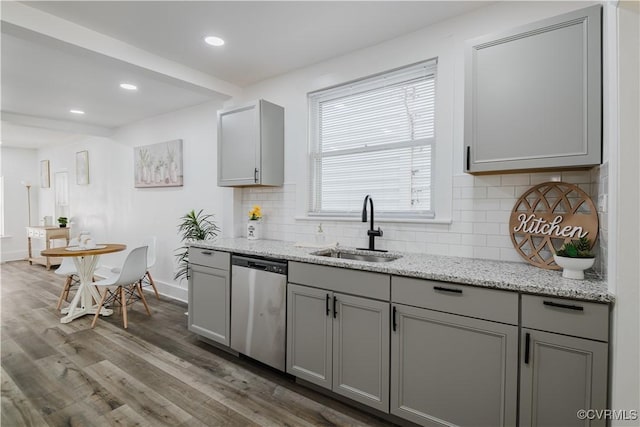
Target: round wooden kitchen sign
549 215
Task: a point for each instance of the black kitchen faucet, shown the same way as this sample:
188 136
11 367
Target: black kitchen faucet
372 233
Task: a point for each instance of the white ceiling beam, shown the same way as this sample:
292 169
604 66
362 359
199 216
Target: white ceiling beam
51 26
58 125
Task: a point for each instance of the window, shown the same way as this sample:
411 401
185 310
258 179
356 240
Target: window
375 136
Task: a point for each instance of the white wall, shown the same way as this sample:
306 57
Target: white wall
114 211
626 313
18 165
477 215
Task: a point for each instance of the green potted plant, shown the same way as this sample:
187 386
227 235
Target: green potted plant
62 221
574 257
192 227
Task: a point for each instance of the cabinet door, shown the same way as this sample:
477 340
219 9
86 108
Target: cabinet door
209 303
239 146
361 350
533 95
452 370
309 334
559 375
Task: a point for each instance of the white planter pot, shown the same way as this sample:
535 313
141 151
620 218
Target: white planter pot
254 229
573 268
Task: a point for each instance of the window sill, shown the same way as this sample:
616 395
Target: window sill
378 220
6 237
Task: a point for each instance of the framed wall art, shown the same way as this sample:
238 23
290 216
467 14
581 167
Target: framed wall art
158 165
45 181
82 167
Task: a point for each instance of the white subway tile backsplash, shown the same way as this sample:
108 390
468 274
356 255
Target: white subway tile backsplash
504 192
483 252
486 228
499 241
473 216
465 180
515 179
540 177
497 216
473 193
487 181
576 177
510 255
481 206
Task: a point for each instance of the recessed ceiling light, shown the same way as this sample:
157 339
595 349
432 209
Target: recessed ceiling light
76 111
214 41
128 86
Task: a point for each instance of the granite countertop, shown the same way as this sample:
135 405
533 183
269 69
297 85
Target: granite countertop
511 276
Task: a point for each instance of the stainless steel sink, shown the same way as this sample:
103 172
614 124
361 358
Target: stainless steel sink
356 256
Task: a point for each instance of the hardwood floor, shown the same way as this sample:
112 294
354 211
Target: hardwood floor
156 373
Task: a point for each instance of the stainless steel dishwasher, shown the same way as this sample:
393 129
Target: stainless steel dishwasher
258 309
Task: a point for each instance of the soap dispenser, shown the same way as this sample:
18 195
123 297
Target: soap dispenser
320 238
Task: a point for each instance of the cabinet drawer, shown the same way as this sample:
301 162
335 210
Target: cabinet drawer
577 318
364 283
210 258
489 304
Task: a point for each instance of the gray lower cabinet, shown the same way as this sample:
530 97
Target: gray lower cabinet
449 370
210 295
562 374
339 342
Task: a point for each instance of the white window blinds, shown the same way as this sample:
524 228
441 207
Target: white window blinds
375 136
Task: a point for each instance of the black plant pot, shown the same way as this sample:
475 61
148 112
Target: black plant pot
63 225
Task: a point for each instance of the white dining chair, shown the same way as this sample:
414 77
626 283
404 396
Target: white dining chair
151 260
127 284
67 268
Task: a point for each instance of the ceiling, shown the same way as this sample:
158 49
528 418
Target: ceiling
62 55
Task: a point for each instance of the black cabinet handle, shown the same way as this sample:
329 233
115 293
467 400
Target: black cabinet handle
255 175
468 156
567 306
394 324
454 291
527 345
327 304
206 252
335 302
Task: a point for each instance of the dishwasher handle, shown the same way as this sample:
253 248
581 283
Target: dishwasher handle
256 265
261 264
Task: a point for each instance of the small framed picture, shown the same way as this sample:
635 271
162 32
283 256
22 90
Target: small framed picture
44 174
82 167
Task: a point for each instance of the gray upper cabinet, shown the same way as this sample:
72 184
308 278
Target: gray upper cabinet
251 145
533 96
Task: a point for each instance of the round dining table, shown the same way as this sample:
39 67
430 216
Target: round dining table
86 299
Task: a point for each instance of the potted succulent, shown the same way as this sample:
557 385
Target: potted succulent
62 221
574 257
193 226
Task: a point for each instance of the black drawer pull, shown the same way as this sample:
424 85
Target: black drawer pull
527 345
567 306
440 288
327 304
394 324
206 252
335 302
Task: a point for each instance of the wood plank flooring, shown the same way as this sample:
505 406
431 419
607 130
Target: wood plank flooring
156 373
